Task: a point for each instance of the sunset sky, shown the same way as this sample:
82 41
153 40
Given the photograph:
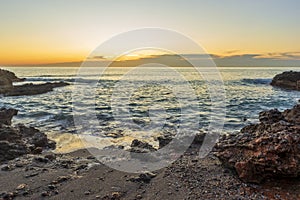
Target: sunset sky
55 31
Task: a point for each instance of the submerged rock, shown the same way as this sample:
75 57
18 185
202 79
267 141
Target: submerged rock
269 149
287 80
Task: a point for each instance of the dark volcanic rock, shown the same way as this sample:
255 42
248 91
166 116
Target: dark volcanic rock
292 115
270 148
287 80
138 146
6 115
167 138
270 116
7 79
10 75
20 140
31 89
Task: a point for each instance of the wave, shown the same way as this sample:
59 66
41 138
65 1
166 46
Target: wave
70 80
257 81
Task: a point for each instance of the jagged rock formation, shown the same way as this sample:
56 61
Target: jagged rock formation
7 79
6 115
269 149
19 140
287 80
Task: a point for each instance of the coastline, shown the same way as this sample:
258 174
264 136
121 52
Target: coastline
43 174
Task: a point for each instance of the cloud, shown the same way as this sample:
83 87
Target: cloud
97 58
282 55
231 52
280 59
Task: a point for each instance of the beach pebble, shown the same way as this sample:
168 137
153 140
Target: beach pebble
22 186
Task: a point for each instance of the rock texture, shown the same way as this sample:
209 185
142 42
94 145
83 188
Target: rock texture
6 115
138 146
269 149
287 80
10 75
19 140
7 79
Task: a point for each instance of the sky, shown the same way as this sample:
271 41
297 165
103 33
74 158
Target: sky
57 31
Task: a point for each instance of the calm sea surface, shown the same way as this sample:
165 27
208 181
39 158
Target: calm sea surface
247 93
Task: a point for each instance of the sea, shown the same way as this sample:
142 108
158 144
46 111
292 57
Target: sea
247 89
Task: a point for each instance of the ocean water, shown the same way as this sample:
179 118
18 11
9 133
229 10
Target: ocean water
247 93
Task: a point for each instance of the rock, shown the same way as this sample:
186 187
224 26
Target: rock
5 85
10 75
22 186
7 195
9 151
7 79
39 139
164 140
6 115
270 116
20 140
199 138
31 89
45 194
287 80
167 138
9 134
292 115
269 149
141 147
61 179
51 187
147 176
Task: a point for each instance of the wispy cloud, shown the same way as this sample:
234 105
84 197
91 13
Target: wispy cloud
251 60
97 58
282 55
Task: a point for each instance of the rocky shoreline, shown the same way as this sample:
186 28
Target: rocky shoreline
37 173
19 140
269 149
7 88
262 161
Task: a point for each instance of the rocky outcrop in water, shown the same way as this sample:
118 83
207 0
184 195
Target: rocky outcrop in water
269 149
6 80
10 75
8 89
20 140
287 80
31 89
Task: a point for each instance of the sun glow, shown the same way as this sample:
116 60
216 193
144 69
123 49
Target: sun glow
140 54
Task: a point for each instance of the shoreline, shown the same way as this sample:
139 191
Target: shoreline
228 172
78 175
